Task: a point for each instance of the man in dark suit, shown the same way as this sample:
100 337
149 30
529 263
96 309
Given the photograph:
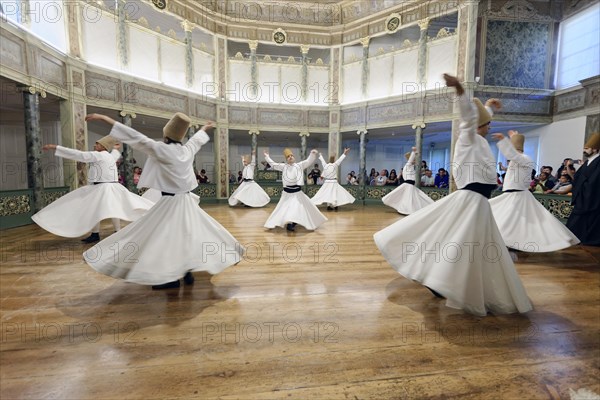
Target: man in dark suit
584 220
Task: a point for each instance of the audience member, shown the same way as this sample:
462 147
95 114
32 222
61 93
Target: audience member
442 179
427 180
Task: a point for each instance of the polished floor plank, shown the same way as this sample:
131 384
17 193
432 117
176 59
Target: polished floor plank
304 315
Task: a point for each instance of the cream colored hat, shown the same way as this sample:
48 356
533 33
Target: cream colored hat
287 152
407 155
518 141
593 142
177 127
484 115
107 142
247 158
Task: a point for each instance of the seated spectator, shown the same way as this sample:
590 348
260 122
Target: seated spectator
372 176
266 165
381 180
424 167
240 178
566 161
351 179
563 186
548 169
202 178
392 179
541 183
137 171
427 180
442 179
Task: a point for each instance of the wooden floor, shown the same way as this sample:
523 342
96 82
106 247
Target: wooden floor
307 315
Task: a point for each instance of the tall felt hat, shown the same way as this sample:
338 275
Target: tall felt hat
484 115
107 142
593 142
247 158
177 127
518 141
287 152
407 155
332 158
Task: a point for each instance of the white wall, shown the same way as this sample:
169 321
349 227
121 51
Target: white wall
559 140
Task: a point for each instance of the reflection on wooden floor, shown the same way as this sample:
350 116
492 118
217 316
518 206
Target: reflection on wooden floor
307 315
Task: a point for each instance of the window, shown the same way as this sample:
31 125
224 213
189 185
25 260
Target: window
578 48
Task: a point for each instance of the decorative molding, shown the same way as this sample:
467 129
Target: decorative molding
279 36
239 115
318 119
519 10
570 101
160 4
280 118
392 112
393 23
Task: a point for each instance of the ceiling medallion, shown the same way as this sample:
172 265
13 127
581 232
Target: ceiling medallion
160 4
279 36
392 23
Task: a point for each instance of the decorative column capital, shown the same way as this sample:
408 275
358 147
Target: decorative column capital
358 132
253 132
304 49
33 90
304 133
365 41
124 113
187 25
418 125
253 44
424 24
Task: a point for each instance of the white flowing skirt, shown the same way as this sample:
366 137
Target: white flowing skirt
250 194
174 237
526 225
454 247
76 213
407 199
297 208
332 193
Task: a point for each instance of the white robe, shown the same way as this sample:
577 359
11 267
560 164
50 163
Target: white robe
331 192
78 212
249 192
294 207
407 198
454 247
523 222
175 236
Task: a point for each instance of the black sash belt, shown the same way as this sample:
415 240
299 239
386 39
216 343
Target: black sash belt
484 189
292 189
512 190
98 183
410 182
247 180
170 194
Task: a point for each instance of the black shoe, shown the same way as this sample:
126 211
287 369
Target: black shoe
94 237
168 285
335 208
436 294
291 227
188 279
329 208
